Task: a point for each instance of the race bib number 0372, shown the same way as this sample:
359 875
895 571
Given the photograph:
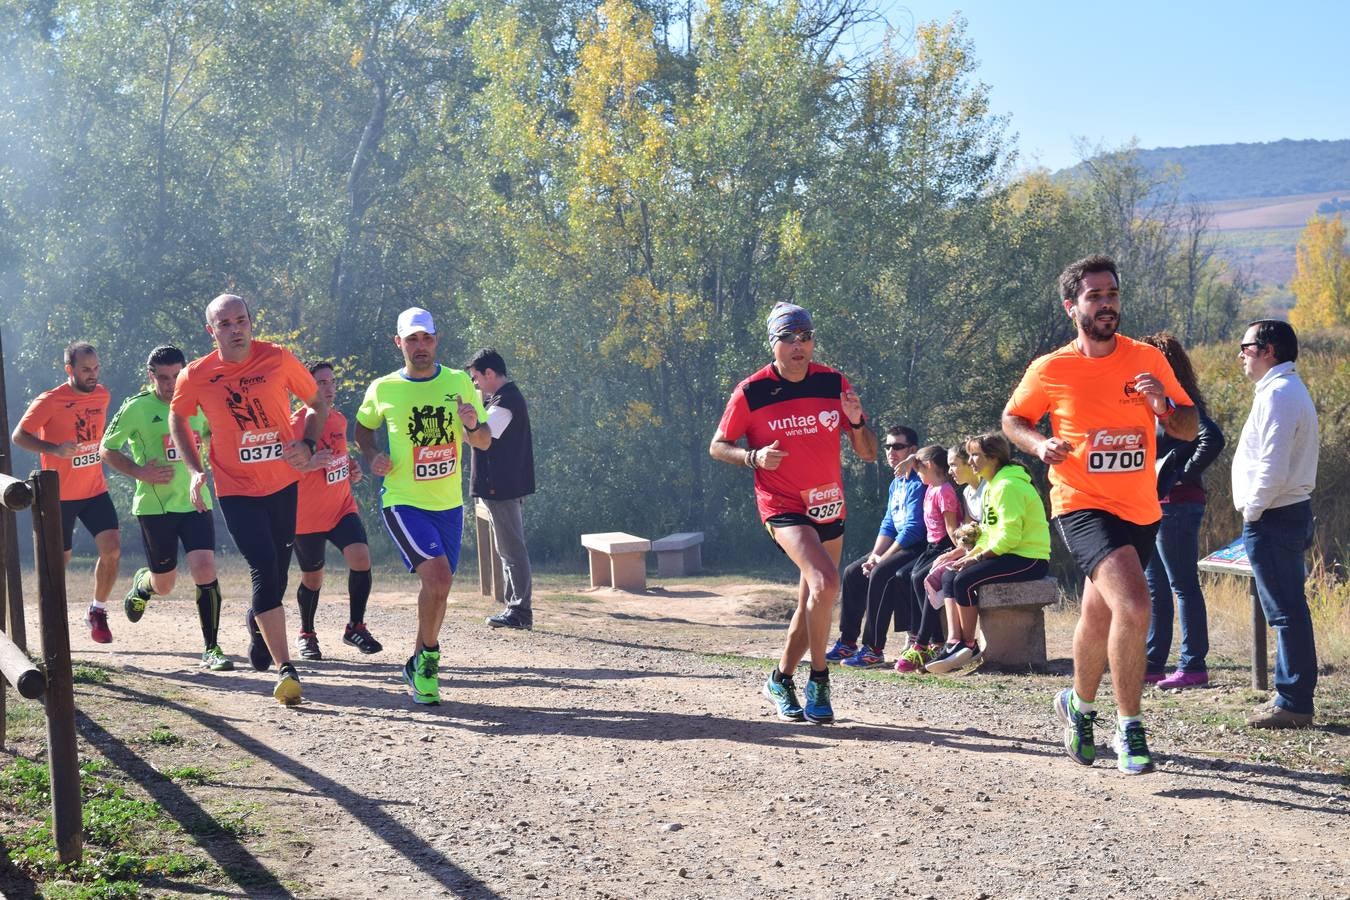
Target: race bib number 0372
260 446
436 461
1115 450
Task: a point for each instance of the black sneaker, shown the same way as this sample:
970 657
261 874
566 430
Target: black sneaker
357 636
308 646
509 620
258 654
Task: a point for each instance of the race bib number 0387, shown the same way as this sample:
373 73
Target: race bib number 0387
260 446
1114 450
824 503
436 461
85 455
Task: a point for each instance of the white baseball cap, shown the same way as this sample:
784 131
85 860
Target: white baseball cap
415 319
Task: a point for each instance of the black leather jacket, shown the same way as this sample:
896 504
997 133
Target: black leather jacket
1184 462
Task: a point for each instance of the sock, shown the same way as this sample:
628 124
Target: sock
1123 720
358 592
1078 703
208 611
435 649
822 675
286 667
309 605
776 676
97 604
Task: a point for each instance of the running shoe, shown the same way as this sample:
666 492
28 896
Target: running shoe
865 658
818 709
976 657
287 690
783 695
1154 677
97 620
509 619
910 661
420 672
1131 746
357 636
1180 679
952 657
1078 735
840 651
308 646
258 654
214 659
134 602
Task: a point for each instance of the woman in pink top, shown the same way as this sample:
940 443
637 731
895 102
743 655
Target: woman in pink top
942 515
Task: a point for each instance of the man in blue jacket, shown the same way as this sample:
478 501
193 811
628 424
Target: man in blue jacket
866 603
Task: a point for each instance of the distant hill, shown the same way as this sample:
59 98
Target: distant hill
1232 171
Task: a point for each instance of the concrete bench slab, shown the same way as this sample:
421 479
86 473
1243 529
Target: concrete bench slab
679 554
1012 622
617 560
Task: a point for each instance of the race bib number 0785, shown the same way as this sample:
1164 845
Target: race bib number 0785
338 470
1113 450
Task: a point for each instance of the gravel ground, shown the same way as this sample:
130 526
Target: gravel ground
623 750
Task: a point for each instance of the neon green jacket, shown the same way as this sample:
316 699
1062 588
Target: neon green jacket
1014 516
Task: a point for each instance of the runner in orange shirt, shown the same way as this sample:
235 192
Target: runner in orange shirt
244 388
65 425
327 513
1105 394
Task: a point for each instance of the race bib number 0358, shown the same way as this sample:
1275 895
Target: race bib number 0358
260 446
824 503
1114 450
436 461
85 455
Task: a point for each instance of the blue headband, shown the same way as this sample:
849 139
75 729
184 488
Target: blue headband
788 317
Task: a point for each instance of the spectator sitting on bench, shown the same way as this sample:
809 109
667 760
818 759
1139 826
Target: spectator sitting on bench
1014 545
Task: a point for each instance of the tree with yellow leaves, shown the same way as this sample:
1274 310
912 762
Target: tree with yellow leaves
1321 284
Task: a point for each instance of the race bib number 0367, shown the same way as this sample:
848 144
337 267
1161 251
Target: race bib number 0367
824 503
260 446
436 461
1114 450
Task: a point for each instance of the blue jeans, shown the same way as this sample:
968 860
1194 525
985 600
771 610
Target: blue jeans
1173 570
1275 546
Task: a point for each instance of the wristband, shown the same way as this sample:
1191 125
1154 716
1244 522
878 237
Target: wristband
474 428
862 420
1171 408
308 442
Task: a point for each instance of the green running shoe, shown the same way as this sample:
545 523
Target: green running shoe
214 658
420 672
134 602
1078 736
1131 746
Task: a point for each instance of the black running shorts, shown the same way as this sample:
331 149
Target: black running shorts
828 531
1093 534
97 513
161 534
309 547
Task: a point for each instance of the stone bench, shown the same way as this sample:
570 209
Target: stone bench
491 579
679 554
618 560
1012 622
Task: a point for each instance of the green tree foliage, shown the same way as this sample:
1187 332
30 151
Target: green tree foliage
611 192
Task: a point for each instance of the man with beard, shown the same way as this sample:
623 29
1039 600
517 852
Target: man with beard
64 426
1104 393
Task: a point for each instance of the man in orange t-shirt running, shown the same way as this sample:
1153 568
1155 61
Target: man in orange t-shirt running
65 425
1105 394
244 388
328 514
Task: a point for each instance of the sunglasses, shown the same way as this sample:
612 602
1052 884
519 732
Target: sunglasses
898 446
795 337
1252 344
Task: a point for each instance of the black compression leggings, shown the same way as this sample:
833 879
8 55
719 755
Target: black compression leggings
263 529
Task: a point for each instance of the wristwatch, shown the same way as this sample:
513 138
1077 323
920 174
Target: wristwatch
309 442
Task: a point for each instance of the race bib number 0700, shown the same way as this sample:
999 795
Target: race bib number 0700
824 503
436 461
1114 450
260 446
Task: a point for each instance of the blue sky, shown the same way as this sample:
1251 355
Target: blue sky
1170 74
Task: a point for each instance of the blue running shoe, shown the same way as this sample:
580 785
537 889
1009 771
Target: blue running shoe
818 709
1131 746
1078 735
783 695
840 651
865 658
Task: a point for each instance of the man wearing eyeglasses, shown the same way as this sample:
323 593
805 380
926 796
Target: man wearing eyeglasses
1274 468
868 600
792 414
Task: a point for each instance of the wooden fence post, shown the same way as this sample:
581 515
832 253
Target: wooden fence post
62 754
11 613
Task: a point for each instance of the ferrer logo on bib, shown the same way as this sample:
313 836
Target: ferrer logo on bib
1112 450
824 503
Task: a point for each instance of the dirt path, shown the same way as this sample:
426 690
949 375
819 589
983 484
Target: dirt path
613 753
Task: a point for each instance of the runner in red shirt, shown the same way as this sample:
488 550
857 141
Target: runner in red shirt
244 388
326 514
792 414
65 425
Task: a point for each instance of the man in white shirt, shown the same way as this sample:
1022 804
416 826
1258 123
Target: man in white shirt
1274 468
